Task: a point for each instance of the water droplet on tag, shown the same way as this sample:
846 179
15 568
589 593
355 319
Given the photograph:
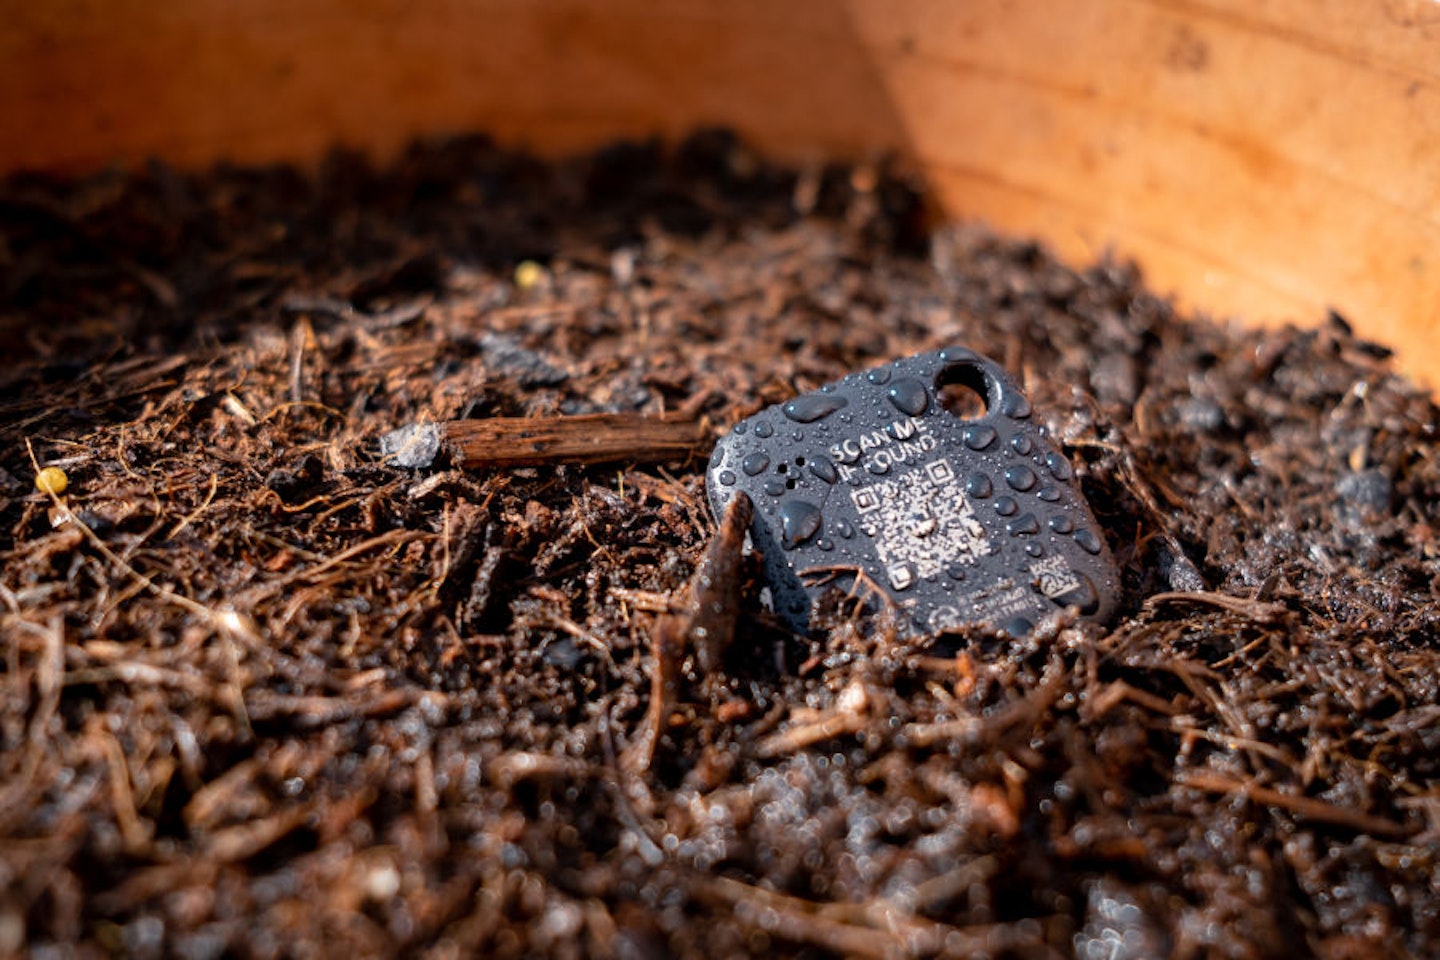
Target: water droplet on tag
813 406
1021 444
909 396
775 487
1084 595
958 355
978 485
823 468
844 530
1059 466
1048 494
979 436
1006 506
1061 524
764 431
1022 525
1020 477
1088 541
1017 628
1014 405
799 521
755 464
879 376
727 477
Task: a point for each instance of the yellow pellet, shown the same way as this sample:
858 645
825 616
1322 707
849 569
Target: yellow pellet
529 274
52 480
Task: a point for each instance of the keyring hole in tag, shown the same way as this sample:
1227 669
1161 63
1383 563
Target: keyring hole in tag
965 392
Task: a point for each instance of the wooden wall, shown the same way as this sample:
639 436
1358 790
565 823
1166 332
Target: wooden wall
1267 158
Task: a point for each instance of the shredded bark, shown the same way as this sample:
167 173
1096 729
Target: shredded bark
265 691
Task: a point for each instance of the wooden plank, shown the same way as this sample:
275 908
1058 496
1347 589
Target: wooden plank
1261 161
1266 160
195 81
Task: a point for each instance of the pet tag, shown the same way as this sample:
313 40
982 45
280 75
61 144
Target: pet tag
876 483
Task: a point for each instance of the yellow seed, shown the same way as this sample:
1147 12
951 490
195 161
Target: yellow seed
51 480
529 274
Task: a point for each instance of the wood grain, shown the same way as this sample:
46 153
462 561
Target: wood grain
1268 160
590 438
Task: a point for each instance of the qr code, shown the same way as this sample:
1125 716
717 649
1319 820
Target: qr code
921 521
1053 577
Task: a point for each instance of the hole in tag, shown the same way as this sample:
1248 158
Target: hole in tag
964 390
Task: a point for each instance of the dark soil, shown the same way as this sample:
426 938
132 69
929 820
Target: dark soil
265 695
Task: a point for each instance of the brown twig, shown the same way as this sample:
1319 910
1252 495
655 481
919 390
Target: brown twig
1306 808
1254 609
546 441
878 928
715 588
1021 713
667 644
706 619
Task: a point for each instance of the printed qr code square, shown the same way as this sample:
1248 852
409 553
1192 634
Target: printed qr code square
1053 576
865 500
921 520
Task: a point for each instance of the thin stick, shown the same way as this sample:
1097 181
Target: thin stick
1254 609
1306 808
595 438
546 441
715 588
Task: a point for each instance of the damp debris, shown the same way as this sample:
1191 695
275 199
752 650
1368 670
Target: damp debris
265 693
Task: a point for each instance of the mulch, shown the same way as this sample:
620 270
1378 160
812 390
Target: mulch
265 693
